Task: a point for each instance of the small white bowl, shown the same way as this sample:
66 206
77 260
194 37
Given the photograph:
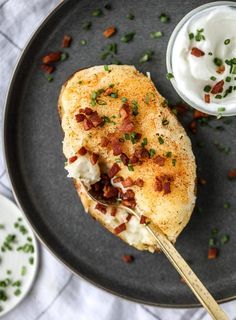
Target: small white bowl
170 46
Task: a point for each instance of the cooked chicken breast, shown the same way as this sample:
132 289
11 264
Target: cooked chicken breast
122 140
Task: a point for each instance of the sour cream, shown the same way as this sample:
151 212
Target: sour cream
83 169
212 31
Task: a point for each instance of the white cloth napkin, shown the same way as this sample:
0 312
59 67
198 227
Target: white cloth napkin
57 294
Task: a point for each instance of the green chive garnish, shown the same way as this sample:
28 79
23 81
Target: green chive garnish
218 62
164 18
83 42
152 153
106 68
227 41
97 13
156 34
199 36
174 162
130 167
228 79
87 25
135 108
191 36
210 53
169 76
226 205
17 292
224 239
168 154
127 37
144 143
160 139
31 260
130 16
147 56
165 122
218 96
221 109
23 271
124 99
64 56
49 78
213 78
207 88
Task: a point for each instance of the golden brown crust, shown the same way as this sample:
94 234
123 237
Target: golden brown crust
170 212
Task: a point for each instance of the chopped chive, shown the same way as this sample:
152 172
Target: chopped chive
156 34
233 71
83 42
124 99
114 95
64 56
221 109
161 140
87 25
16 283
106 68
127 137
49 78
211 242
226 205
199 36
23 271
210 53
174 162
191 36
169 76
168 154
127 37
130 16
218 96
164 18
147 56
17 292
214 231
152 153
9 272
101 102
227 41
228 79
207 88
218 62
2 226
31 260
213 78
147 99
144 143
135 108
97 13
130 167
3 295
224 239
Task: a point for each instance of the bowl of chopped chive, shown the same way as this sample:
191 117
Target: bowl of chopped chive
18 257
201 58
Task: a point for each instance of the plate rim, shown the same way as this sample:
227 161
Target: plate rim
19 201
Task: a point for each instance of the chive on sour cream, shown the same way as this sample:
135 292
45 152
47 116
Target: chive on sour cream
201 56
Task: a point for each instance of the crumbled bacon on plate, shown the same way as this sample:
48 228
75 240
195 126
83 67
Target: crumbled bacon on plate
127 258
197 52
104 142
218 87
113 170
212 253
80 117
220 69
100 207
110 192
207 98
72 159
201 181
159 160
124 159
232 174
82 151
66 42
139 182
94 158
143 219
118 179
46 68
128 182
120 228
96 119
87 124
51 57
125 111
198 114
113 211
109 32
193 126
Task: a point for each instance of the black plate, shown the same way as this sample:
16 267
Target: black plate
36 164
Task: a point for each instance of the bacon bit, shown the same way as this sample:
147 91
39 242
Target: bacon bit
127 258
66 42
232 174
46 68
110 192
197 52
120 228
129 216
159 160
141 152
201 181
124 159
212 253
96 119
104 142
80 117
125 111
207 98
181 108
87 124
198 115
108 91
51 57
166 187
113 211
100 207
220 69
113 170
158 185
128 182
143 219
182 280
133 160
118 179
81 110
109 32
218 87
129 203
116 147
127 126
105 179
193 126
139 182
87 111
82 151
94 158
128 195
97 186
72 159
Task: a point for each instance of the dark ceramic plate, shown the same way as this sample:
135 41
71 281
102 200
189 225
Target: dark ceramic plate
36 164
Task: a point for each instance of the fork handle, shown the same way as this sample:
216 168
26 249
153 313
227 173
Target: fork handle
200 291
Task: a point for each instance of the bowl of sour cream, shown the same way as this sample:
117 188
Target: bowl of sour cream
201 58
